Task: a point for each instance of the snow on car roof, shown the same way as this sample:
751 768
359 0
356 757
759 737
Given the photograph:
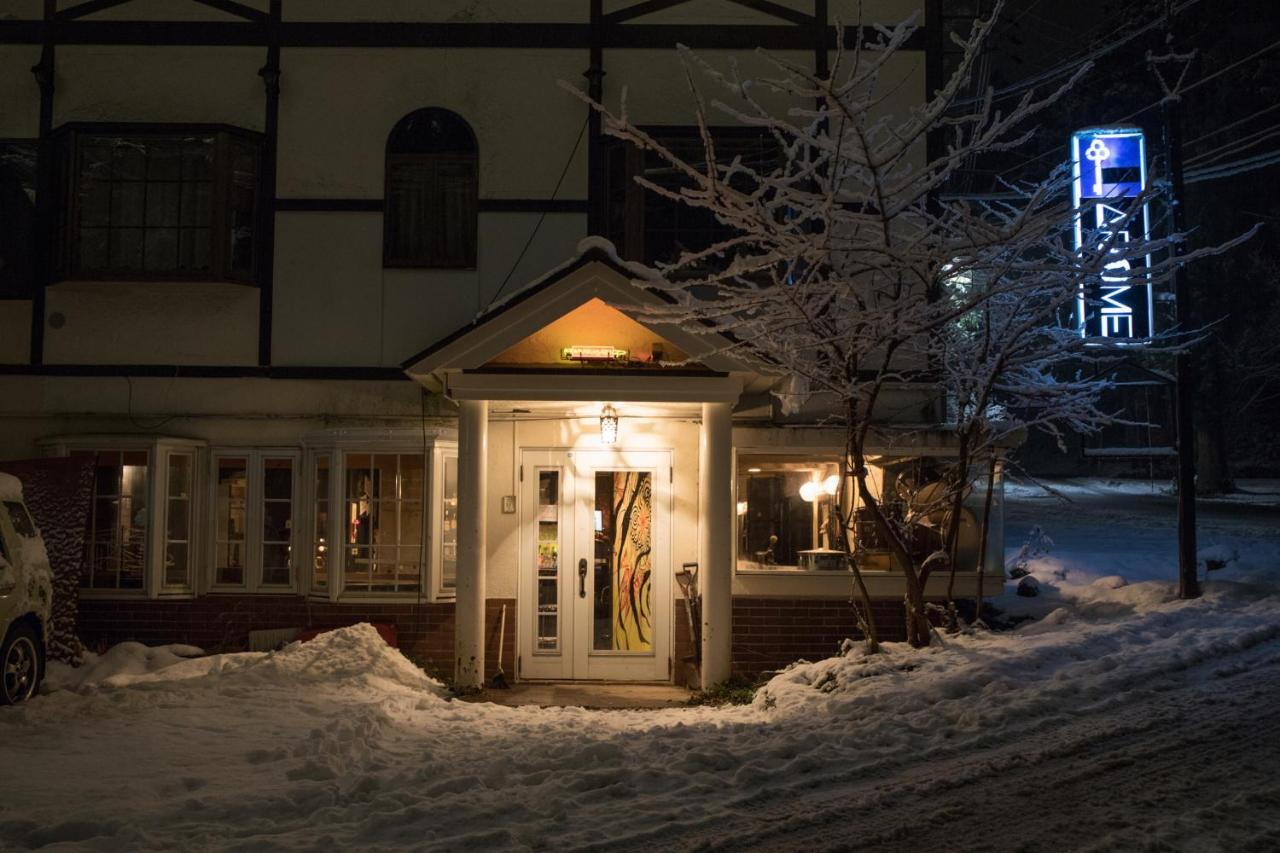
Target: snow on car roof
10 487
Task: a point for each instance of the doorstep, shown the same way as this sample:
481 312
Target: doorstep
586 694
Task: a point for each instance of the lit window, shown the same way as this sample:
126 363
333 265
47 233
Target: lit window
320 530
382 521
253 542
116 541
788 512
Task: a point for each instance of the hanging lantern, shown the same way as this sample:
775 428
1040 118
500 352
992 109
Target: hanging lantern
608 426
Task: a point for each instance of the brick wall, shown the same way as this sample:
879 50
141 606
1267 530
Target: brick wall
221 623
769 633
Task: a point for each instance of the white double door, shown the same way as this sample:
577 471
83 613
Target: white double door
595 565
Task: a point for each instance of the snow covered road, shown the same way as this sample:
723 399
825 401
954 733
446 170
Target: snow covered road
1118 719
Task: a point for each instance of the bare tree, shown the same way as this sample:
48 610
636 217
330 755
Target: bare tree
844 272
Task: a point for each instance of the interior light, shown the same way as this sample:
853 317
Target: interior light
608 426
831 485
753 470
809 490
742 507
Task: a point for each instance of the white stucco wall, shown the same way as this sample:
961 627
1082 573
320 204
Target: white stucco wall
115 322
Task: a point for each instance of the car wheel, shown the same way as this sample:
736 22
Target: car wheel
19 666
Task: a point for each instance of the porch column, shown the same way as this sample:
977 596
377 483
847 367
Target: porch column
473 452
715 554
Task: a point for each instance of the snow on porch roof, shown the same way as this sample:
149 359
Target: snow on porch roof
595 272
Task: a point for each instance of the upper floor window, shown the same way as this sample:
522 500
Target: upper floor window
18 213
653 228
432 186
156 204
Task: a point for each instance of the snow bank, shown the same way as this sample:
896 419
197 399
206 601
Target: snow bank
357 653
1090 642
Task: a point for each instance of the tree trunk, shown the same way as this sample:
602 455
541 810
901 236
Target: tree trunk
982 539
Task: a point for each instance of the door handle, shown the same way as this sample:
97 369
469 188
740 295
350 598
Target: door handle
582 578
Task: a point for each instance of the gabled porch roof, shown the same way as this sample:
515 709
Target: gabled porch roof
482 349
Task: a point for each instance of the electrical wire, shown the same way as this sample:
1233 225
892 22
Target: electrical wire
541 216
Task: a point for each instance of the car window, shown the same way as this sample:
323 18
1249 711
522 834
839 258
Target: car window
22 523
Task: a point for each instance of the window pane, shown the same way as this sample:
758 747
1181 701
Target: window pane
162 203
787 513
275 565
231 507
127 203
180 465
277 521
623 611
277 479
449 523
126 249
176 568
320 564
160 251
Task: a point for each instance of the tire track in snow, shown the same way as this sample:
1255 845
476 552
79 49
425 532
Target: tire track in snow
1188 766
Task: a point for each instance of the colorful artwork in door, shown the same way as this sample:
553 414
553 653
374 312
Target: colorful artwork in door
630 549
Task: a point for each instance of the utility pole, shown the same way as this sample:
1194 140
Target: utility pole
1184 366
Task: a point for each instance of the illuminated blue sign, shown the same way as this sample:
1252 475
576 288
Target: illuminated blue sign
1108 166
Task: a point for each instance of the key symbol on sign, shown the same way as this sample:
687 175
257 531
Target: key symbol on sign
1097 152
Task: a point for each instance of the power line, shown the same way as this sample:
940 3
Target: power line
1230 170
1235 123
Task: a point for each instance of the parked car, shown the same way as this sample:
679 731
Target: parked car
26 596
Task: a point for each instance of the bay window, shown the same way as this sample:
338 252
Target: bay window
156 202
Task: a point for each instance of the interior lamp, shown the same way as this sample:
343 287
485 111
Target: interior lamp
809 490
608 426
831 485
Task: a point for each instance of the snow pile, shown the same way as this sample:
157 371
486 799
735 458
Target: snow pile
119 665
1091 641
357 653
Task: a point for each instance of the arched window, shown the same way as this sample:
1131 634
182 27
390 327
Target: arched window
432 178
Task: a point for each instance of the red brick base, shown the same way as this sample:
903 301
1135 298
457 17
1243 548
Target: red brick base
221 623
770 633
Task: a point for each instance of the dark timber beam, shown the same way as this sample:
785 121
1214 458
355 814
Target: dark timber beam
596 216
777 10
88 8
294 34
238 9
264 245
44 74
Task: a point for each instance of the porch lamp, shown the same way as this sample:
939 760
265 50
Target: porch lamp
608 426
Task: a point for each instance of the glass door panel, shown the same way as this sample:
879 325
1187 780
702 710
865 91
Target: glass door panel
622 522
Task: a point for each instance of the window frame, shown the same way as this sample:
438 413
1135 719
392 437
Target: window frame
159 451
816 452
68 141
433 451
469 260
255 514
631 238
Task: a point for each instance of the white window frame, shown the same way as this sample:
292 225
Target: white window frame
159 450
433 449
817 452
254 516
436 538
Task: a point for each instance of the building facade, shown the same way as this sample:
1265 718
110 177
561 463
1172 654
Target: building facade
317 288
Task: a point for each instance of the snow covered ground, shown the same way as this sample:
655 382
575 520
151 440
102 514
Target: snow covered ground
1116 718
